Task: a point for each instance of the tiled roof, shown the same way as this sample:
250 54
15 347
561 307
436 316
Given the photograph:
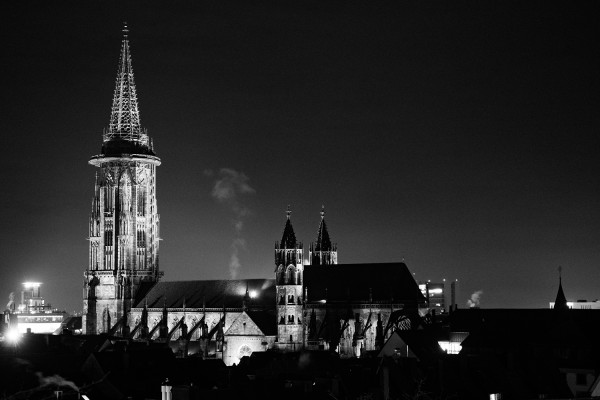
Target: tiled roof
212 293
361 282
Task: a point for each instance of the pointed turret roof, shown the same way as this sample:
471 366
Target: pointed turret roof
125 115
323 242
288 240
561 301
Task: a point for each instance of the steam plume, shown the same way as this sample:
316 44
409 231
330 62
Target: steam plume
475 299
229 187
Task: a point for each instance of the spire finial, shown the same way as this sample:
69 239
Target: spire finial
322 211
125 30
288 212
560 273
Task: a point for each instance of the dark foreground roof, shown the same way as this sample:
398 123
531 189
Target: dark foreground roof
214 294
361 282
527 325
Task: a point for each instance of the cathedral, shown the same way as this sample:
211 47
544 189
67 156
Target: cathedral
317 305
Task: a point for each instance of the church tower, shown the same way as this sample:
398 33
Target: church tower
289 270
124 223
322 251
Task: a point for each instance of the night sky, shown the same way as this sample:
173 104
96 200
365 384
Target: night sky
457 136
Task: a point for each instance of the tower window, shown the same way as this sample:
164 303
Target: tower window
108 237
290 299
290 319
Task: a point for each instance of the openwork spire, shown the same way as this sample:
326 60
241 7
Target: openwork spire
125 115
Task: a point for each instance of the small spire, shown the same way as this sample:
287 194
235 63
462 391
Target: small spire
125 30
561 301
288 240
323 242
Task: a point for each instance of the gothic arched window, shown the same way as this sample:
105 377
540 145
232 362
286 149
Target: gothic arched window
280 275
290 276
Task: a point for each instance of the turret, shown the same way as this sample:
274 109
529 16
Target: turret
288 256
289 269
322 251
561 301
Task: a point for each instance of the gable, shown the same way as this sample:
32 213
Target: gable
244 326
396 346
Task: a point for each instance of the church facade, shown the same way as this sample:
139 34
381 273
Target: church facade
320 305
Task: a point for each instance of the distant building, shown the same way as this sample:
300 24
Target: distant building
438 298
33 313
581 305
561 301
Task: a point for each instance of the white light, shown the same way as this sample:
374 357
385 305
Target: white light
253 294
29 285
450 347
435 291
13 335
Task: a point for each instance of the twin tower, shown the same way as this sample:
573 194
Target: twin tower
124 223
289 276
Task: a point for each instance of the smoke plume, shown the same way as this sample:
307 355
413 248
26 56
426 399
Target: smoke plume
229 188
475 299
56 381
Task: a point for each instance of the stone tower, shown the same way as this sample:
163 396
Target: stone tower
288 280
124 223
322 251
